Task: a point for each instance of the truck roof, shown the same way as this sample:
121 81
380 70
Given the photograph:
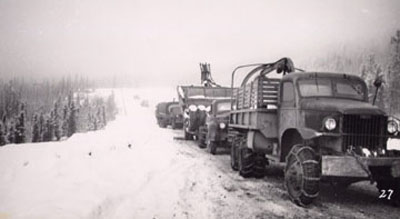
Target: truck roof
298 75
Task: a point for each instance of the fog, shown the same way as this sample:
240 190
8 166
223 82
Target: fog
148 42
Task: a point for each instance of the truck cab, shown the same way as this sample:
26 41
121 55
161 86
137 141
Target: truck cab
168 113
215 131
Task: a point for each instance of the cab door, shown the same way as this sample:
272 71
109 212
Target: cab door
287 113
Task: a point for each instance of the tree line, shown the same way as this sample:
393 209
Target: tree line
50 110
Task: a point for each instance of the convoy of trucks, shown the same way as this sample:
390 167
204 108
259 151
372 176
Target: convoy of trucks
319 125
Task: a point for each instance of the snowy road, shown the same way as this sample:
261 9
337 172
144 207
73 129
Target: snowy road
133 169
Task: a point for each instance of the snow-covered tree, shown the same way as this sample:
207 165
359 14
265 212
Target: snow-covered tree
3 139
370 71
394 74
36 129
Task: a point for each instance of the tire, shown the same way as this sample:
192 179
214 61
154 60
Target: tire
212 147
173 124
162 124
187 135
246 162
259 166
234 153
202 137
384 186
302 175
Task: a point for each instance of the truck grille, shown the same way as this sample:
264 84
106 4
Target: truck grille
365 131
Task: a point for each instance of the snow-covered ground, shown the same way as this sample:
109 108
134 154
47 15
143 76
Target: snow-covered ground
134 169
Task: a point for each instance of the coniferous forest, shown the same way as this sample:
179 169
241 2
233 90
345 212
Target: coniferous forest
50 110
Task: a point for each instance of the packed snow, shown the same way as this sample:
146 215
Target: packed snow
134 169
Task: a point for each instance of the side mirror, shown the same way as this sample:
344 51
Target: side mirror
378 81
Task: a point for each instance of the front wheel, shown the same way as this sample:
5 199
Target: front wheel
173 124
202 137
302 175
212 147
187 135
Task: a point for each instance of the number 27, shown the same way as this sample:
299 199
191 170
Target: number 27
386 194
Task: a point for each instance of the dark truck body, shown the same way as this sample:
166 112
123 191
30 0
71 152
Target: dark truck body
214 133
195 102
169 113
279 120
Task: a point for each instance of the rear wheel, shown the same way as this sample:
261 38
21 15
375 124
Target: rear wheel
259 165
302 175
246 162
390 190
234 153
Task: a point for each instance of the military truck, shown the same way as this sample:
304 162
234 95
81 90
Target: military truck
319 125
169 113
196 101
214 133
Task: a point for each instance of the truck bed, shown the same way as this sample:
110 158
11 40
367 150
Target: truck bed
255 107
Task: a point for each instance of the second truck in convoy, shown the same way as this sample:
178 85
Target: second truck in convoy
196 104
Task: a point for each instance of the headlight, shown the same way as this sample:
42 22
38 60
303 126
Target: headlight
201 107
330 123
192 107
392 127
222 125
208 109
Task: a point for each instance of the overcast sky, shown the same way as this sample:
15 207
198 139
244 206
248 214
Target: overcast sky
164 41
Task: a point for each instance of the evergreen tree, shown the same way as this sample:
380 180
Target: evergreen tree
36 129
48 134
394 74
72 120
111 107
11 133
57 120
65 121
3 140
42 126
20 129
104 117
370 71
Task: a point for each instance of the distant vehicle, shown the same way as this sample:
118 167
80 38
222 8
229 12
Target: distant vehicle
144 103
169 113
196 101
320 125
215 132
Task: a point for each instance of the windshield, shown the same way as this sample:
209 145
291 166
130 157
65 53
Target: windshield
322 87
176 110
225 106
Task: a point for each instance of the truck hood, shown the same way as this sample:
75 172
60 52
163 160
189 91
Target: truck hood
344 106
223 115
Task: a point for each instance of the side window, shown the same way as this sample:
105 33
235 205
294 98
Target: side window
288 92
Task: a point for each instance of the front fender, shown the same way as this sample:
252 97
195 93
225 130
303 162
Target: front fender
307 133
